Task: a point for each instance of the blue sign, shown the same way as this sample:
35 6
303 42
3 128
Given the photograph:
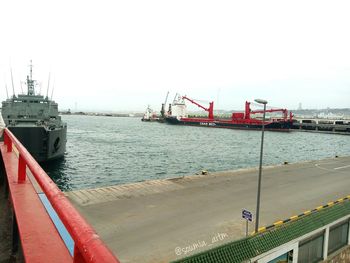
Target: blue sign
247 215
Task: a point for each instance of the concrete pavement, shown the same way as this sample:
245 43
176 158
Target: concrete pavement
163 220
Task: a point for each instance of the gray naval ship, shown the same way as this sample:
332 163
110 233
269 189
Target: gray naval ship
34 120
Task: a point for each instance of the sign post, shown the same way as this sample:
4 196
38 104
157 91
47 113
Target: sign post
248 216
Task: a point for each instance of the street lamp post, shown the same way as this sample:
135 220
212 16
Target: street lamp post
264 102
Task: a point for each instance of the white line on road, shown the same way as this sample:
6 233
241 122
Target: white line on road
342 167
320 167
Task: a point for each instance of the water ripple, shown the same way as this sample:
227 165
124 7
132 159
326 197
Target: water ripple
104 151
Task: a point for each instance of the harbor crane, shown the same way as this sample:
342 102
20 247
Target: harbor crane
210 110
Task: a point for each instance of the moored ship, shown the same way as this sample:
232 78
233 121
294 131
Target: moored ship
34 120
150 115
239 120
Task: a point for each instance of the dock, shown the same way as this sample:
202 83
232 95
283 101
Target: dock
165 220
322 126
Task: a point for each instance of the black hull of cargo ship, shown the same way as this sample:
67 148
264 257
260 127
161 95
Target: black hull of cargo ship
271 126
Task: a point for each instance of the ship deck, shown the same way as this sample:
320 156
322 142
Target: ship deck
162 220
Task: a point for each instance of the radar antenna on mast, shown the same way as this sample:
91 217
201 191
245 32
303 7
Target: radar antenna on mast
30 81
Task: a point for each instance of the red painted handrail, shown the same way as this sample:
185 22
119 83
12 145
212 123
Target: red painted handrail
88 246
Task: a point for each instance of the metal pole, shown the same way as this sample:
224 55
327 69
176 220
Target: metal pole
246 228
260 170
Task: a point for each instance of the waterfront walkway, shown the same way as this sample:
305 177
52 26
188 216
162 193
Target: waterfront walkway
162 220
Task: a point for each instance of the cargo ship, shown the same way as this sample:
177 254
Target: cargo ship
177 115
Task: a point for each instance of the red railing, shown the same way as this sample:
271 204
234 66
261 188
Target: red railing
88 246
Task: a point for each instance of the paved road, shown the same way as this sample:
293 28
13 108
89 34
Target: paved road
154 221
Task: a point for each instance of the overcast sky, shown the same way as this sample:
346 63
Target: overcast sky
124 55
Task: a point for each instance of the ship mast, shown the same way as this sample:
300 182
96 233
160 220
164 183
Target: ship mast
13 86
30 81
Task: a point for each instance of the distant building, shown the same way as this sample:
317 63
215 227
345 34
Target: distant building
300 107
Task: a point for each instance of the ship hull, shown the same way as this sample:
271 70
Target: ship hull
273 126
150 119
41 142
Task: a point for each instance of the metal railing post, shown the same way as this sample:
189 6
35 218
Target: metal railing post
21 169
7 141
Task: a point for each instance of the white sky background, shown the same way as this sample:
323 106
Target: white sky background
124 55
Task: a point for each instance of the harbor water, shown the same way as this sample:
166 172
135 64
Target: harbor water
103 151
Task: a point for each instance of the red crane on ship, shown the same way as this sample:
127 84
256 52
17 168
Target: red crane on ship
210 110
248 112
